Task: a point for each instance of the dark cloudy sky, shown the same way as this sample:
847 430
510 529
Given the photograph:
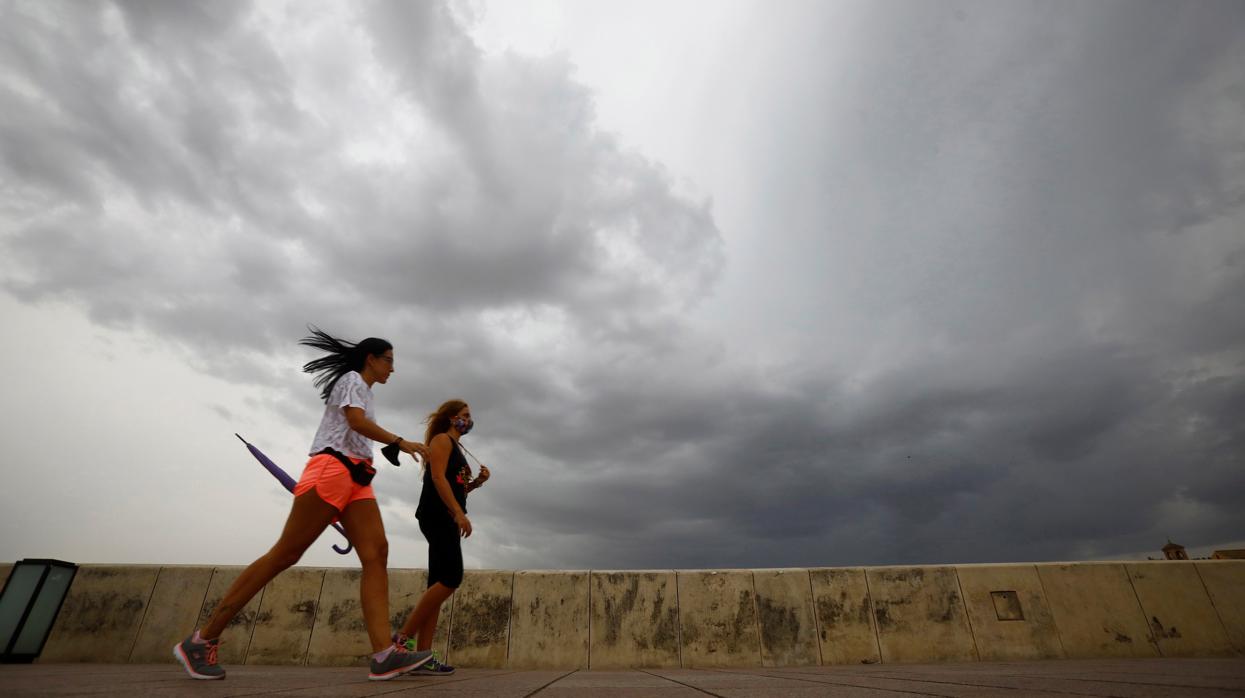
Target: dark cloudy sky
727 285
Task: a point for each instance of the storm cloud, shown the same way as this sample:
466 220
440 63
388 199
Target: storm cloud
978 296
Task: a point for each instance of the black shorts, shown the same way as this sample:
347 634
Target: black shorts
445 552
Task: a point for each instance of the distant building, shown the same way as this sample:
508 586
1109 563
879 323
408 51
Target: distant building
1174 551
1238 554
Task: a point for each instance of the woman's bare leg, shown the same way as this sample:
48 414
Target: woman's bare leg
308 518
429 628
423 620
361 519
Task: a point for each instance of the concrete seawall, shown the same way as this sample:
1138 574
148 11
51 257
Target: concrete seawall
707 618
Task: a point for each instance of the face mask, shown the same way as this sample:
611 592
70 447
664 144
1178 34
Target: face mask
462 425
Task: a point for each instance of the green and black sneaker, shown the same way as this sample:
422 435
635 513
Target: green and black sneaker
432 667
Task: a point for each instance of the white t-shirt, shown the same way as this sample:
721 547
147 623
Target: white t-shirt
334 432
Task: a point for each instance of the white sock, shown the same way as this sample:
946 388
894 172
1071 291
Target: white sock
383 654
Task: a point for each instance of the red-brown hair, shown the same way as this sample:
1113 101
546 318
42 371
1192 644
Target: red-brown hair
439 421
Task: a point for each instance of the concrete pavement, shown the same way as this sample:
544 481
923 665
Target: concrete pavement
1102 677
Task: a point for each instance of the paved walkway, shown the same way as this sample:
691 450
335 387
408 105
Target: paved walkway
1145 677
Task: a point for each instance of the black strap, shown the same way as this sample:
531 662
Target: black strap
360 472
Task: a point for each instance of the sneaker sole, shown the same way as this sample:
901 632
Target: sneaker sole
398 672
181 657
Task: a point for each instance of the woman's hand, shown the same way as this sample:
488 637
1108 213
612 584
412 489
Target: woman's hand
483 477
464 525
414 448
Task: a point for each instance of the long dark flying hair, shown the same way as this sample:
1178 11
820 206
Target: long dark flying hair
342 357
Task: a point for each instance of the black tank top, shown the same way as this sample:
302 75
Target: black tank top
457 472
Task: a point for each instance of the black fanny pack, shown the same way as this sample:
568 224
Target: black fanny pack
360 472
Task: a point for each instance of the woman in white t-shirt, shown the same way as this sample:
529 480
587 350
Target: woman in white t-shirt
335 484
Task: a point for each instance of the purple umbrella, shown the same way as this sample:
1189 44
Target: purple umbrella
288 483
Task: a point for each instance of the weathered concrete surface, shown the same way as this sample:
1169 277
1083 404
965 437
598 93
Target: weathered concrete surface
1182 617
237 635
5 568
286 615
339 637
846 629
1096 610
718 619
1032 636
1225 582
480 626
101 615
171 613
920 615
405 588
784 601
634 620
549 620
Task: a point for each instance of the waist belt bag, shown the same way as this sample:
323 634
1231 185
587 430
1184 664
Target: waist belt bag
360 472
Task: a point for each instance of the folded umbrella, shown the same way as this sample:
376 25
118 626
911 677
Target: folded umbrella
288 483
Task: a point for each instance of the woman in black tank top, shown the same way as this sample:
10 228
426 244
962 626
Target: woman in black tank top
457 473
442 515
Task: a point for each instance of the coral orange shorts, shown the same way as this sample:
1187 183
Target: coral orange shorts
332 482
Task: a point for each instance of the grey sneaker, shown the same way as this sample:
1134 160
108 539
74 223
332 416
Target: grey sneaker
199 658
433 667
397 663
